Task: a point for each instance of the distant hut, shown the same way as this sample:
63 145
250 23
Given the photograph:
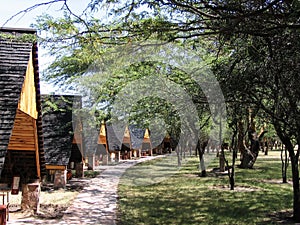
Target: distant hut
147 145
102 154
167 142
91 134
62 136
119 143
166 145
141 141
21 144
126 144
114 144
137 137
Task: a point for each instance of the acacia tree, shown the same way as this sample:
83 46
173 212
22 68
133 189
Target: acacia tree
262 39
269 68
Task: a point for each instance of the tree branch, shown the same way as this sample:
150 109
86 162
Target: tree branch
31 8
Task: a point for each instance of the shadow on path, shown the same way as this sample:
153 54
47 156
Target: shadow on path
96 203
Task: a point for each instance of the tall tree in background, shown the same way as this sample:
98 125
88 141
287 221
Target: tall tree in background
259 38
268 67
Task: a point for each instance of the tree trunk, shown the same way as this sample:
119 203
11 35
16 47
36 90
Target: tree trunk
248 160
267 145
240 144
232 174
284 165
294 158
295 173
222 160
201 148
234 156
178 152
250 155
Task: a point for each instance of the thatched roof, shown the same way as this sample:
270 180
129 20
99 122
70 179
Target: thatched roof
113 139
15 54
58 127
137 136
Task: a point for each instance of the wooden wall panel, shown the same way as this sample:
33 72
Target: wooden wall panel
23 134
27 101
126 137
77 139
102 139
146 136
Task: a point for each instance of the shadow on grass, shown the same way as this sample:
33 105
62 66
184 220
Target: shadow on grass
188 199
179 206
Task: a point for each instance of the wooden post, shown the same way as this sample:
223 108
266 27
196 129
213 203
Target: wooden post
3 212
118 156
31 197
105 159
79 170
91 162
60 178
135 155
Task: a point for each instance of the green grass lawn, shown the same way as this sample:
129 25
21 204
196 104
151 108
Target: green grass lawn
183 197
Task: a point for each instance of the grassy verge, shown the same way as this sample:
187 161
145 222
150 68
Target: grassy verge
186 198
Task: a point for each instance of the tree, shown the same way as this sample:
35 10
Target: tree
273 61
261 39
151 90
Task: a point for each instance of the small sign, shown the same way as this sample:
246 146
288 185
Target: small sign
15 185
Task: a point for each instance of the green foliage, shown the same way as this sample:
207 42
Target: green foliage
256 40
256 45
131 80
20 37
57 105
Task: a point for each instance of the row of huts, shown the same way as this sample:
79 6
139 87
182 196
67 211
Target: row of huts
69 144
40 136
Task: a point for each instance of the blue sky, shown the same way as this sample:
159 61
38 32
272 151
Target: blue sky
8 8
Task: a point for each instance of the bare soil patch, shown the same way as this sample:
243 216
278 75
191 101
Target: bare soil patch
275 181
236 188
47 211
54 202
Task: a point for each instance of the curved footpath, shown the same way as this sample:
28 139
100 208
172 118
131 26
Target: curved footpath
96 203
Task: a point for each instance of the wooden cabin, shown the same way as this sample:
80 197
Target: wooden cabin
114 144
126 145
63 144
21 144
90 134
102 154
137 138
146 144
110 146
166 144
119 143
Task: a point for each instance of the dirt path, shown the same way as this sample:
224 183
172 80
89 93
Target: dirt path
96 203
